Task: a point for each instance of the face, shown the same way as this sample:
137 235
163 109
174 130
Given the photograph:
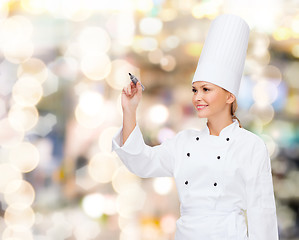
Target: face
211 100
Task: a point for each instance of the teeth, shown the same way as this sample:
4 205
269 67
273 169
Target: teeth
200 107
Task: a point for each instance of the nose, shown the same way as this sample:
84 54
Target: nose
198 96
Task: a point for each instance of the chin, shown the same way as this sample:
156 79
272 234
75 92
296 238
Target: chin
201 115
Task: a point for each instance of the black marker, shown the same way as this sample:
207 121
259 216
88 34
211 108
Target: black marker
135 80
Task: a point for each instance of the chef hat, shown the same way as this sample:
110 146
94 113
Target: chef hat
223 55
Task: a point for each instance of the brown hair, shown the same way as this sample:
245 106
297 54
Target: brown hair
234 107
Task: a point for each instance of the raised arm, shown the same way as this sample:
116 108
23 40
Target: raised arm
130 98
143 160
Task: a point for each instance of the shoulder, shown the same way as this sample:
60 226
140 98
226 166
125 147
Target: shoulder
251 139
256 152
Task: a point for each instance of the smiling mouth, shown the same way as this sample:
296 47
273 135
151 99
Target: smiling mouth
200 107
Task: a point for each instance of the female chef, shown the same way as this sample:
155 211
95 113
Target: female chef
223 171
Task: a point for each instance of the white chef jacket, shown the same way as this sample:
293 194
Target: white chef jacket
219 179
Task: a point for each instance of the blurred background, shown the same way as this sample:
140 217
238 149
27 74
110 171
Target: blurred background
63 64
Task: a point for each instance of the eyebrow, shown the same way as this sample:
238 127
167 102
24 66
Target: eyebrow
201 85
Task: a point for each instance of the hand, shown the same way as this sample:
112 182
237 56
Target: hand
131 96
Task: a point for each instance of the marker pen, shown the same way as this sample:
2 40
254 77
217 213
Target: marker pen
135 80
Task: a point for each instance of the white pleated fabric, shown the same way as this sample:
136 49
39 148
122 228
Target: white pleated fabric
224 52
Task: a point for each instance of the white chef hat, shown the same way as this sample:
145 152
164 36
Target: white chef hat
223 55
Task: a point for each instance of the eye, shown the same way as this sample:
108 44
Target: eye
194 90
206 89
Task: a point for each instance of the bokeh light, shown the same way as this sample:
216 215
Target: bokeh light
105 139
96 67
119 77
165 133
194 49
64 65
23 118
158 114
88 229
264 113
282 34
18 52
205 9
121 27
16 43
123 180
76 10
130 201
102 167
264 93
162 186
19 193
33 6
17 232
23 217
24 157
4 10
16 29
93 205
8 174
155 56
171 42
34 68
9 136
168 63
94 39
144 5
91 103
91 110
61 226
27 91
150 26
290 74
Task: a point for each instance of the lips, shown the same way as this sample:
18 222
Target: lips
200 107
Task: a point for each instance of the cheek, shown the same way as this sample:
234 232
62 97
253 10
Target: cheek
215 99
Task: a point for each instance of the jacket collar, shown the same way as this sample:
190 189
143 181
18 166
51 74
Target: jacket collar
226 132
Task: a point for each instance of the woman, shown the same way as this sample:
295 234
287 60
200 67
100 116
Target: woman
223 171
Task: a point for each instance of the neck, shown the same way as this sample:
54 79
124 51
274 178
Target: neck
216 125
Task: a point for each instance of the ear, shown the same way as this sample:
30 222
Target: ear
230 98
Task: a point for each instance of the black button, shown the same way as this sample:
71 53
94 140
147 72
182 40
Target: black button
215 184
227 139
188 154
197 138
218 157
186 182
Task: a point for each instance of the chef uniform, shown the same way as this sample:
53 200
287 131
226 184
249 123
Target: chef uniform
224 182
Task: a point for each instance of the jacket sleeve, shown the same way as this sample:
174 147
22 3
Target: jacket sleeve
261 208
143 160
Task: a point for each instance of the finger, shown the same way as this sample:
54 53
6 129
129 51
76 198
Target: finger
133 86
130 89
124 90
134 90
